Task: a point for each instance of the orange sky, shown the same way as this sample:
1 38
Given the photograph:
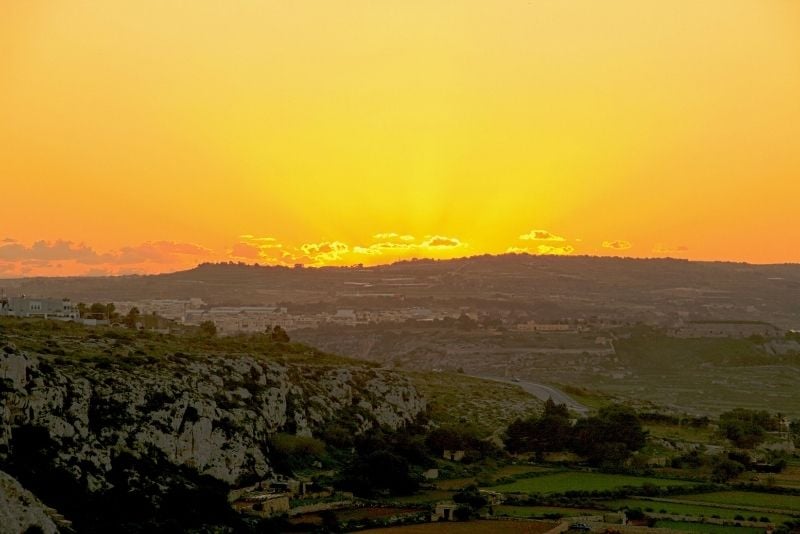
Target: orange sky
150 136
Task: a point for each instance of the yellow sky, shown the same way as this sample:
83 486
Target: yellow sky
148 136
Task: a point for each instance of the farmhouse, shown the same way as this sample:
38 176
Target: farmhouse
455 456
263 504
444 511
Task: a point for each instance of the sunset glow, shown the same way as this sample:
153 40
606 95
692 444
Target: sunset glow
150 136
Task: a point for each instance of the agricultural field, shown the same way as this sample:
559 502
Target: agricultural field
696 510
789 477
425 497
746 499
707 528
357 514
472 527
568 481
543 511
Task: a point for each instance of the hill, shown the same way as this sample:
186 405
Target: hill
546 286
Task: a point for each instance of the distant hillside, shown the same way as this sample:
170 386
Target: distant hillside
547 285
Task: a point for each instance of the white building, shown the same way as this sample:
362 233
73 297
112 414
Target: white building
62 309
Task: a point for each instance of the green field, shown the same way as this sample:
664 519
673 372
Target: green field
562 482
541 511
696 510
704 527
748 498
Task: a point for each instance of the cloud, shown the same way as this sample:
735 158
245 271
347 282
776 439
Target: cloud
47 250
245 250
64 257
541 235
325 251
617 244
158 252
441 242
548 250
543 250
258 248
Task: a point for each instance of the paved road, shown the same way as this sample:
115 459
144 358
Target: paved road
545 392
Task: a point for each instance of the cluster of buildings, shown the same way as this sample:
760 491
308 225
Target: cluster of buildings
255 319
274 496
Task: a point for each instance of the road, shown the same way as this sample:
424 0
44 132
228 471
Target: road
544 392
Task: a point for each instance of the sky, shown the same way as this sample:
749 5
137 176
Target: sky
145 137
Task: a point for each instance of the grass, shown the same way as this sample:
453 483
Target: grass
483 405
587 397
697 510
746 499
562 482
686 526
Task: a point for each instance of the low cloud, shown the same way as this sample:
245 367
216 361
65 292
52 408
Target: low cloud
326 251
245 250
547 250
543 250
617 244
259 248
541 235
46 250
159 252
441 242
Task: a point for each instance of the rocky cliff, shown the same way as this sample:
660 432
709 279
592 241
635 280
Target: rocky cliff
209 414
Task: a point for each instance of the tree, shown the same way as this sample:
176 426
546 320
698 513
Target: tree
132 317
609 437
208 328
378 472
746 428
279 334
549 433
98 311
724 469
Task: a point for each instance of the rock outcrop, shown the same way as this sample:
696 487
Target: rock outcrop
213 414
20 510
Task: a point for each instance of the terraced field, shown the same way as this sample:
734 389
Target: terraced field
697 510
745 499
573 480
707 528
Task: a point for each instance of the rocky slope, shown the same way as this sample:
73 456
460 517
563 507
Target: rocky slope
20 510
206 414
